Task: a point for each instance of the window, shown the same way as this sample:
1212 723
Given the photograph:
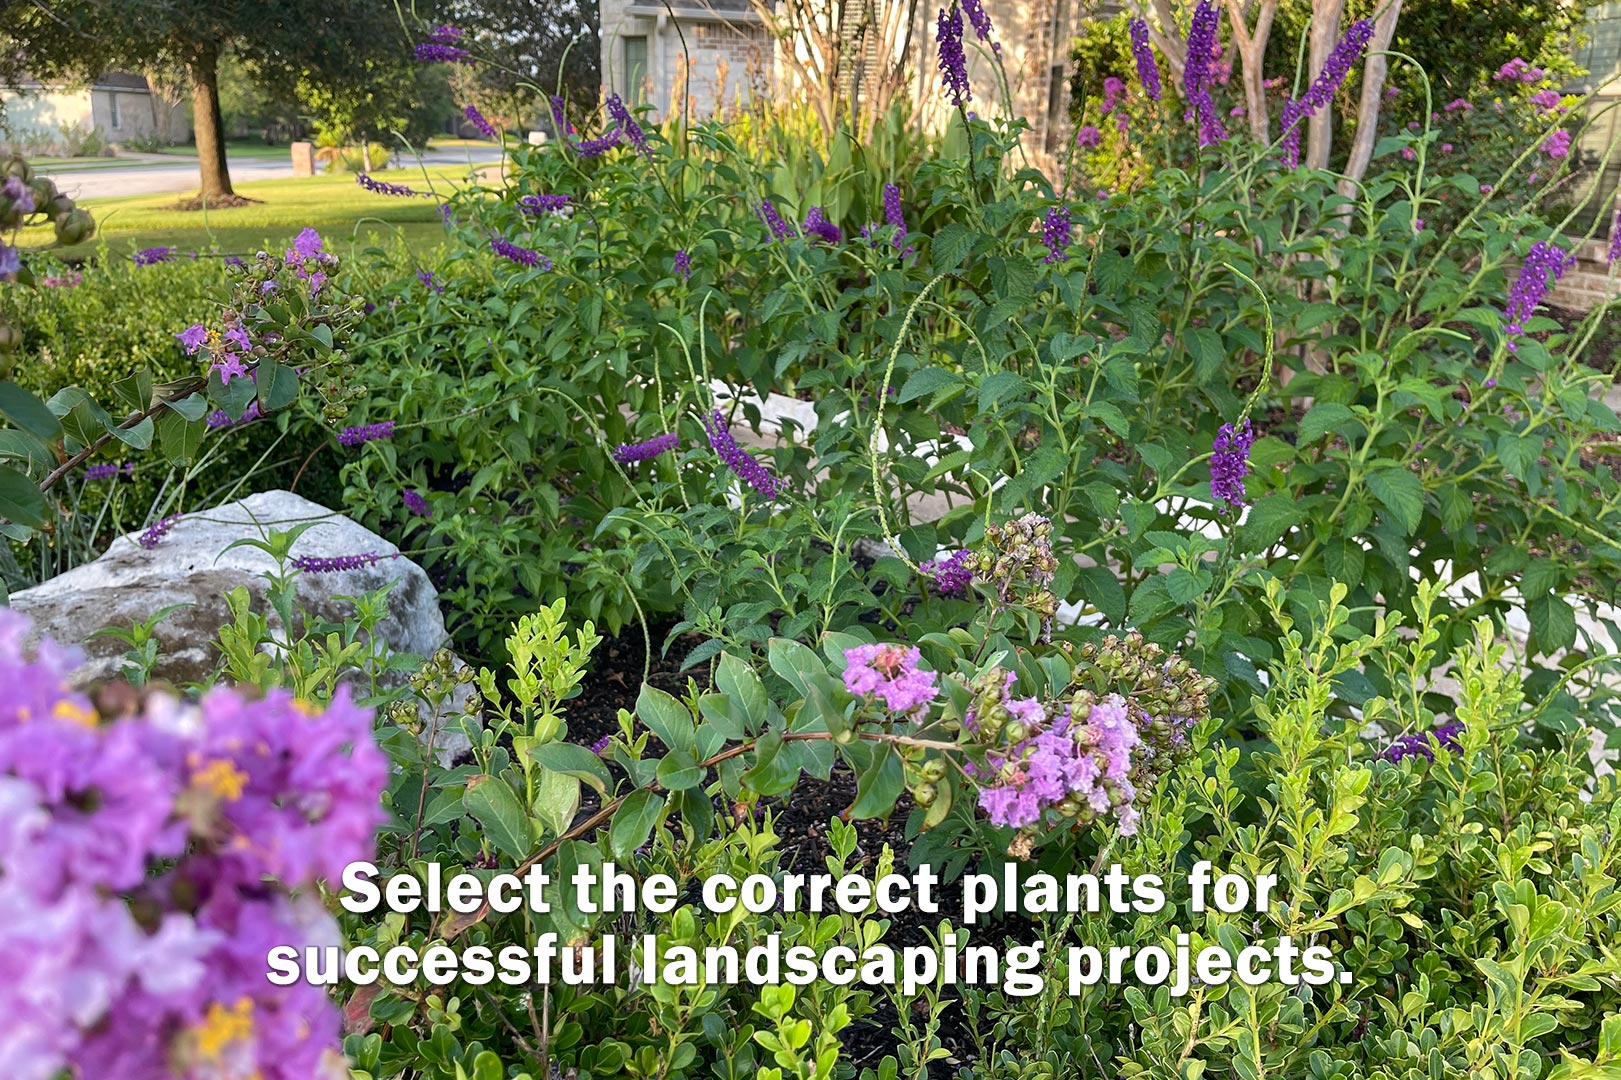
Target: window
112 110
635 69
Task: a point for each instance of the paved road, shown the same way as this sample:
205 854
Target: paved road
158 174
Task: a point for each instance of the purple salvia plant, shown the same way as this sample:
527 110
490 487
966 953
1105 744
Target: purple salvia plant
1320 94
1417 743
1055 232
1198 73
1615 240
476 118
365 433
631 453
381 187
627 124
543 204
331 564
1543 259
152 256
97 473
415 503
1147 67
520 255
951 575
981 22
590 148
780 229
154 534
817 225
953 62
559 118
894 216
430 52
427 278
683 264
739 460
1230 463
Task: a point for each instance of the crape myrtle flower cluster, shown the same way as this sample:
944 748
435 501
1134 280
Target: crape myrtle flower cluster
631 453
1229 463
1419 743
1143 52
1544 259
890 674
148 863
740 461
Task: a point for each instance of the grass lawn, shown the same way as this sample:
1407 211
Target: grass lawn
234 148
447 142
52 164
332 203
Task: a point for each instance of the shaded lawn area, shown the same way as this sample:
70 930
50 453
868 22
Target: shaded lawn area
333 204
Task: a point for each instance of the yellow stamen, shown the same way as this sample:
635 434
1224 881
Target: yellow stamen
305 708
222 778
222 1027
75 713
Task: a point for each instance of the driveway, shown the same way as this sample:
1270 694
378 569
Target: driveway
158 174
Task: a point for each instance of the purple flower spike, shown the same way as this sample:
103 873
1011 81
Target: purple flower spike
356 436
543 204
817 225
683 264
559 118
319 564
949 576
738 460
380 187
591 148
1198 75
415 503
1229 463
626 123
1529 288
1055 232
977 18
476 118
631 453
1417 743
1147 67
953 62
520 255
774 221
433 53
155 532
153 255
1615 240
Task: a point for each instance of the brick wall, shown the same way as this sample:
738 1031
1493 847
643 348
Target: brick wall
1589 283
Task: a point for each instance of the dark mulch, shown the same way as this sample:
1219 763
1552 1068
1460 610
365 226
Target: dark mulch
801 822
214 202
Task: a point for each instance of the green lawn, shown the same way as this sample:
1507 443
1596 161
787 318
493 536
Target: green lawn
52 164
236 148
334 204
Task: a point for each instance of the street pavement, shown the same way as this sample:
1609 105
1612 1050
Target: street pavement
158 174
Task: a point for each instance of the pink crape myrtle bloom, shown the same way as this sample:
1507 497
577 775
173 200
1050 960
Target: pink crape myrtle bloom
890 673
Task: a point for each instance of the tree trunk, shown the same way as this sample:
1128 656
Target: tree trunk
209 123
1252 50
1373 97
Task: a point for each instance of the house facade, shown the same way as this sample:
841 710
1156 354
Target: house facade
719 56
114 108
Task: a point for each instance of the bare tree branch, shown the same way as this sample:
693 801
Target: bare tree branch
1374 70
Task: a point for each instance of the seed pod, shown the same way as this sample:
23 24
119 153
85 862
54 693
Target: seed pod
934 769
925 794
75 227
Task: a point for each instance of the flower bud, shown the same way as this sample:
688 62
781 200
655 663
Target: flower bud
925 794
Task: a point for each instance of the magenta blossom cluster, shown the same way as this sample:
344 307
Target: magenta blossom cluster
380 187
309 259
1519 71
147 867
890 674
1543 261
740 461
1229 463
1055 232
631 453
1143 52
365 433
1083 760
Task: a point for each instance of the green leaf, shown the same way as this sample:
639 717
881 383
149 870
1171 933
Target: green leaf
1553 624
575 761
27 411
666 718
1104 592
1267 521
1402 494
678 771
20 499
179 437
277 383
496 807
927 381
737 680
634 822
557 800
1324 417
951 246
879 784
